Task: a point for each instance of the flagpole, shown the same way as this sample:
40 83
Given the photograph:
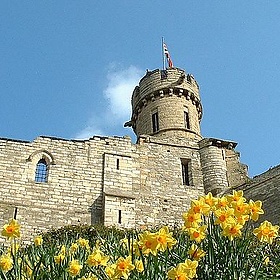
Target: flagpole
163 55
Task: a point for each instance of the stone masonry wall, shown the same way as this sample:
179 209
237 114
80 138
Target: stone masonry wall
170 111
162 196
266 187
74 191
169 93
213 167
101 180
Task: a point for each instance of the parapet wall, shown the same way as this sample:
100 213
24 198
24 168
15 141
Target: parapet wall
158 79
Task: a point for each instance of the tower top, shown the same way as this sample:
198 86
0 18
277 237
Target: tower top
166 101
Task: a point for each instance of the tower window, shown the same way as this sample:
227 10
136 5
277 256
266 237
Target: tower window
118 163
187 119
155 122
223 154
41 173
185 164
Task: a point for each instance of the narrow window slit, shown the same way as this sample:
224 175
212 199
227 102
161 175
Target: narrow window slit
155 122
185 165
120 217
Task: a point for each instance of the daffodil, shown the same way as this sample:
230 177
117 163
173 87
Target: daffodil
255 209
178 273
190 267
191 219
11 230
232 231
84 243
148 243
196 253
222 203
183 271
266 232
63 250
240 208
97 258
6 263
266 260
74 268
38 240
164 239
123 267
73 248
224 216
236 196
210 200
197 234
139 266
59 258
111 272
199 206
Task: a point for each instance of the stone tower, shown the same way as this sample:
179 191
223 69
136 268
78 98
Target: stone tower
166 104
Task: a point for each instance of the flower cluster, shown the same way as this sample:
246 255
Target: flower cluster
230 212
152 242
175 255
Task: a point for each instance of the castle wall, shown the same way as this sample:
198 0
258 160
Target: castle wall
73 193
162 195
265 187
101 180
237 173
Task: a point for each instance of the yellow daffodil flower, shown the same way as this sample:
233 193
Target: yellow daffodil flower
11 230
6 263
74 268
266 232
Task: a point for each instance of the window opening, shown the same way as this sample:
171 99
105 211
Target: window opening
155 122
223 155
118 163
186 172
187 119
120 217
41 172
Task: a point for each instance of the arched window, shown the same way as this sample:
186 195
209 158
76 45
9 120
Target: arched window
41 173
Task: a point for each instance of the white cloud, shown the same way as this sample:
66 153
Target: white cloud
88 132
117 97
119 90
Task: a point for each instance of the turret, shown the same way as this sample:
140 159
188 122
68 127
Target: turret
166 104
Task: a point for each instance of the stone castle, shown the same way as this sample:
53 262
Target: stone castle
53 182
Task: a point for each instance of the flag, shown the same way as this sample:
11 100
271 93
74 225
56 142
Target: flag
166 52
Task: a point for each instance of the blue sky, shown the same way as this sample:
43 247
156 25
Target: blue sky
67 68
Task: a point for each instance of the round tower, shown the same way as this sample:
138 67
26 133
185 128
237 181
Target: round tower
166 104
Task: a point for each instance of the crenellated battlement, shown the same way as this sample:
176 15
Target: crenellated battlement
157 80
